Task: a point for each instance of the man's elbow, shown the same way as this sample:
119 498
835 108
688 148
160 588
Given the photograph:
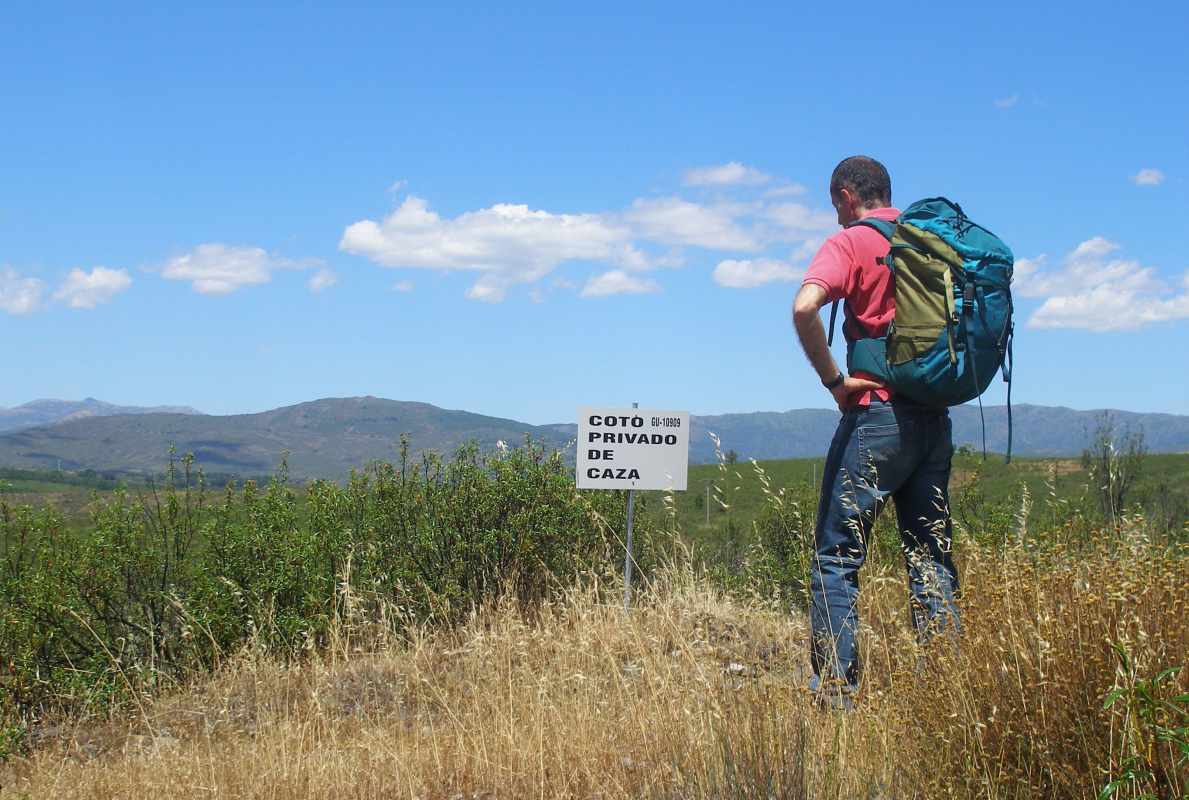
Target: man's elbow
805 307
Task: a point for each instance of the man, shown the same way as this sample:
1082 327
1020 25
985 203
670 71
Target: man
884 446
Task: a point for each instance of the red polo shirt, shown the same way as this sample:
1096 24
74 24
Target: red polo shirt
845 267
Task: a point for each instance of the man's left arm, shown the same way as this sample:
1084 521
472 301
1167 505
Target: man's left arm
812 333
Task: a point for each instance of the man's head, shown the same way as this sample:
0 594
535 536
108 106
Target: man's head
859 184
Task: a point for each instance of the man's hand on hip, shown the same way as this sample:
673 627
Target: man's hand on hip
845 391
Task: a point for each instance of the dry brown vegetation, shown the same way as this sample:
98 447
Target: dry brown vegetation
692 695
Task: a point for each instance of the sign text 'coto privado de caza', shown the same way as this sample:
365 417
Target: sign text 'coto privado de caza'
632 448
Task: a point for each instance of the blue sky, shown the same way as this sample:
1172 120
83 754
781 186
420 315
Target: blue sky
524 209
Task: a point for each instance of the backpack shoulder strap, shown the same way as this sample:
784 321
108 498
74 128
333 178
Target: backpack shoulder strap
884 227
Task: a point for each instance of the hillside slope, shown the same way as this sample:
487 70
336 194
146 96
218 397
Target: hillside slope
323 438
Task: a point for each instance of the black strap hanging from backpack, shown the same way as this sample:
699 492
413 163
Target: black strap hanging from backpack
880 226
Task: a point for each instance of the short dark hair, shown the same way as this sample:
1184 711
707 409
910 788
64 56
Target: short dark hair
864 176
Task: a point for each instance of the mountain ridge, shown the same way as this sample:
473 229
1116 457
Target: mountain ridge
330 436
48 411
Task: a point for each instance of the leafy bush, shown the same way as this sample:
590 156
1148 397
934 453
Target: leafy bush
1153 720
170 581
785 552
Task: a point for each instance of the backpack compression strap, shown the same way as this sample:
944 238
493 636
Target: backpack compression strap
885 229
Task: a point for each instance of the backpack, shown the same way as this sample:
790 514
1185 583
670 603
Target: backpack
952 329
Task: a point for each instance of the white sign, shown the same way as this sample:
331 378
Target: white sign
632 448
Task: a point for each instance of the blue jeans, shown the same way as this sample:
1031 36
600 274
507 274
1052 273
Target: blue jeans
892 449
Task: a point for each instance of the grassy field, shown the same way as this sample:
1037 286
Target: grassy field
717 512
695 694
725 500
71 495
74 495
302 652
1163 472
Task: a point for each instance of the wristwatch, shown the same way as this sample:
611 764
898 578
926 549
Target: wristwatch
834 384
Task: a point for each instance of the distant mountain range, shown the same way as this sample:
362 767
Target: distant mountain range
1036 431
327 438
48 412
324 438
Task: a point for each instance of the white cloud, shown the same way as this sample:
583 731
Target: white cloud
1007 102
215 268
1093 248
618 282
322 279
508 245
800 220
786 190
1094 291
674 221
747 274
504 236
1024 276
730 174
489 291
89 289
1110 308
1084 268
402 286
18 294
1148 177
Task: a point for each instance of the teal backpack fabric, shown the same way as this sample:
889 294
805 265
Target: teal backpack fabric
936 250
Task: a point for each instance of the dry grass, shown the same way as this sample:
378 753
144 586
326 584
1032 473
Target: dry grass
692 695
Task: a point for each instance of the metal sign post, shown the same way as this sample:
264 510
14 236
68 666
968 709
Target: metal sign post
627 558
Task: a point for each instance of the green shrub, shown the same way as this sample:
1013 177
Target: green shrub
1152 716
167 582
